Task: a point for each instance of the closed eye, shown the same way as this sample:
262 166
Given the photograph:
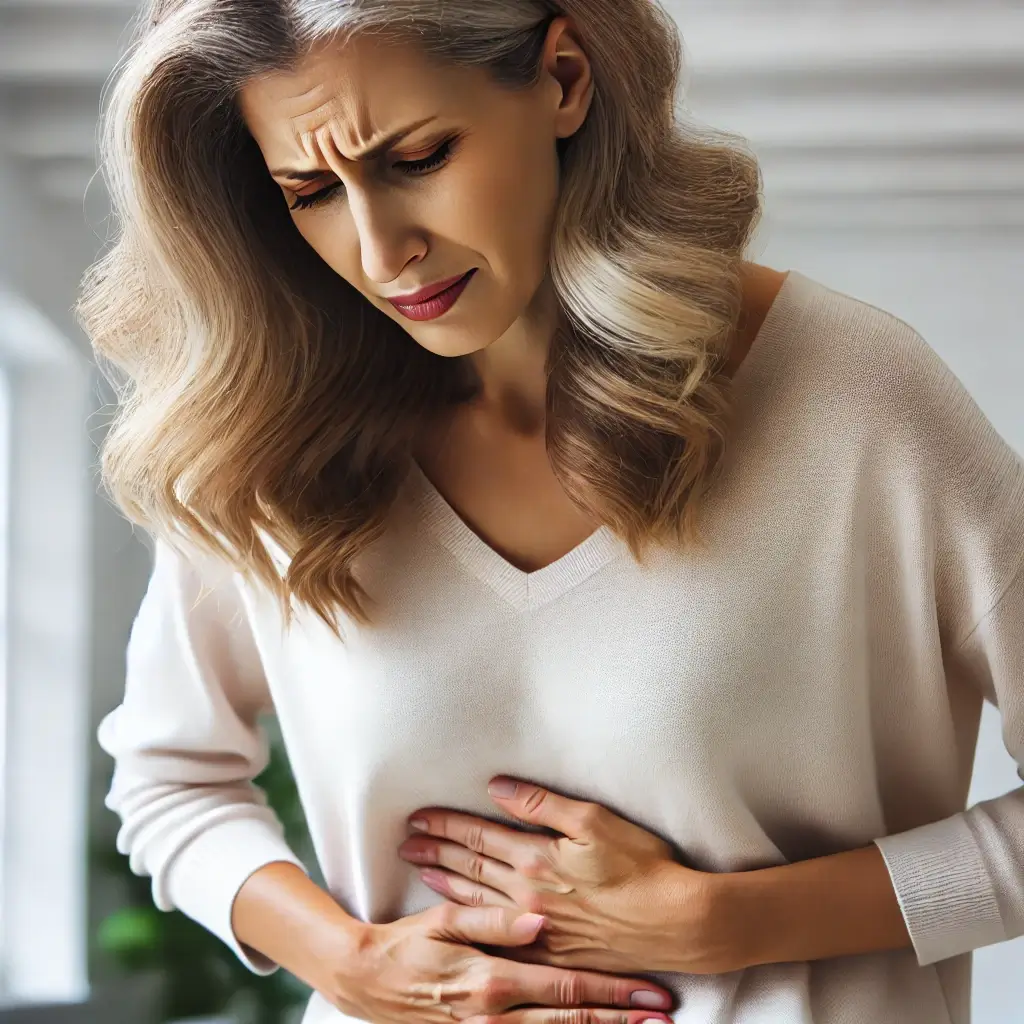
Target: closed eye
438 158
303 202
412 168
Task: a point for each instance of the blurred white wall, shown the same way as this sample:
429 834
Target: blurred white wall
77 569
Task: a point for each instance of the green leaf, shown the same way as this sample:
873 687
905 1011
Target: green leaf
133 936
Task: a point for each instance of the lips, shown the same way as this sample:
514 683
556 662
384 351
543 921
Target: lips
434 301
425 294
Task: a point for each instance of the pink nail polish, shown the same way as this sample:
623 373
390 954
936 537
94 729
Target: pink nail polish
648 1000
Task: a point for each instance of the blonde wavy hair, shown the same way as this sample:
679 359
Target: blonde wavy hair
260 396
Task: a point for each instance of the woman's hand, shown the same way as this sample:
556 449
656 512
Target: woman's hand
424 969
613 897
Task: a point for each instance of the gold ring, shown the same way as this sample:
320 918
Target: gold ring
439 1001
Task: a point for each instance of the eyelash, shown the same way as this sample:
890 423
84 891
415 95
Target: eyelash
435 161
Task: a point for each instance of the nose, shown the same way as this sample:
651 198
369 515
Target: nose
388 237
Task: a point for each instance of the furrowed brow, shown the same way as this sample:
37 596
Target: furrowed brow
300 174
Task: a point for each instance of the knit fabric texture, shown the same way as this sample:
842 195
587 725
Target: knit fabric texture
806 681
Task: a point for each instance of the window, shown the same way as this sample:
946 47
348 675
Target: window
46 480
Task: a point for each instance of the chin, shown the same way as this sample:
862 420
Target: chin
452 347
451 343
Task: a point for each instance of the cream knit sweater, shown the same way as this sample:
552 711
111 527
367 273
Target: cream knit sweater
809 682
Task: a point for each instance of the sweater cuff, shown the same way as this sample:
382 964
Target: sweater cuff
203 880
943 888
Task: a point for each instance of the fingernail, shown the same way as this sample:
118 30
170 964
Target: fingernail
526 924
502 788
419 824
648 1000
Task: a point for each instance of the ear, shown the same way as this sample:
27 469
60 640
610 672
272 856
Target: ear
567 64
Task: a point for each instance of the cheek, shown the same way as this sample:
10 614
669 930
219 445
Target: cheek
507 203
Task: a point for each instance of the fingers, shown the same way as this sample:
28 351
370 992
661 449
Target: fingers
545 1015
468 893
539 806
476 866
492 926
559 987
510 983
487 838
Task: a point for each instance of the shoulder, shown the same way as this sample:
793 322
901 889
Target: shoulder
859 352
892 386
191 585
923 447
194 608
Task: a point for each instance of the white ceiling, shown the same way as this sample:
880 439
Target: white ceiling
896 112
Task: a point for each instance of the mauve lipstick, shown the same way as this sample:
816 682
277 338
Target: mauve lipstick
434 301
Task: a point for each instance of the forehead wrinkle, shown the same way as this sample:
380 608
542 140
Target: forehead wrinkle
333 131
320 145
307 124
329 148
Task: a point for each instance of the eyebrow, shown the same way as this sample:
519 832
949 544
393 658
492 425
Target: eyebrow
298 174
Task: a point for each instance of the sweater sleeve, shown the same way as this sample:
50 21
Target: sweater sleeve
960 880
187 744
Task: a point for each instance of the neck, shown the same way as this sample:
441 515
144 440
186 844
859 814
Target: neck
512 371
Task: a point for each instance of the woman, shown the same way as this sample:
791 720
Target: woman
641 597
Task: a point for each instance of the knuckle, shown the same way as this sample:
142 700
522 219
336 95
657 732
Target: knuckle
476 898
575 1016
590 815
475 869
475 838
570 988
535 801
498 919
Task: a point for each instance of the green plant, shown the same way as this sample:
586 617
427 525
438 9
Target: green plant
197 975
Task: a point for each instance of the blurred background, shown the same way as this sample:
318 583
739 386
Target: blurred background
892 141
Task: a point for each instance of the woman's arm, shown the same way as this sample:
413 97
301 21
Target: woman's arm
957 883
840 905
186 746
287 918
960 880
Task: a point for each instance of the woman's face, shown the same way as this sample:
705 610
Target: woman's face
407 175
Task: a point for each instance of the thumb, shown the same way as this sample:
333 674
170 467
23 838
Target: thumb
491 926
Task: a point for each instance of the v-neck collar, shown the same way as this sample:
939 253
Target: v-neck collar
528 591
525 591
